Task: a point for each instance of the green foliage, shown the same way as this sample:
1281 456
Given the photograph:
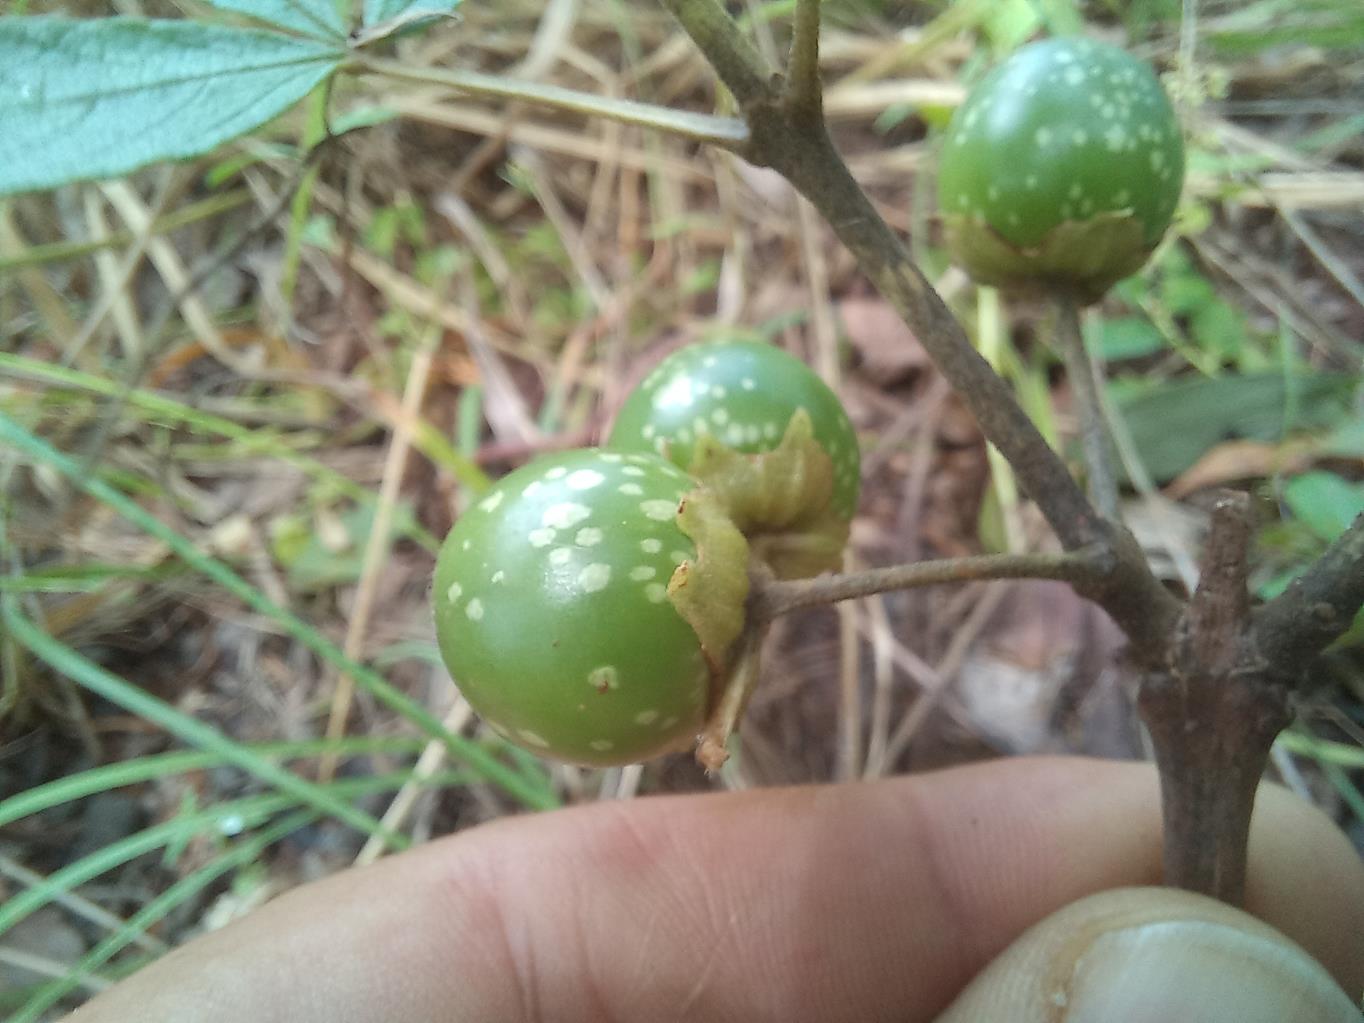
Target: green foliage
320 19
96 99
1324 503
88 99
1174 422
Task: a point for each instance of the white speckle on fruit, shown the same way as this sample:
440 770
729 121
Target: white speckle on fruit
677 393
656 593
659 511
555 472
499 575
1157 159
589 536
531 488
594 577
475 610
752 434
748 384
677 557
719 417
564 515
632 470
561 555
541 537
700 426
643 573
1122 197
1079 136
734 434
528 736
717 391
454 592
1115 138
633 489
466 545
1075 191
651 545
648 431
491 502
668 722
611 456
1074 75
584 479
709 361
646 717
602 745
660 445
1042 137
604 678
684 435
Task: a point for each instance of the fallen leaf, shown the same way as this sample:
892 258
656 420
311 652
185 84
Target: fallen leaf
890 352
1235 460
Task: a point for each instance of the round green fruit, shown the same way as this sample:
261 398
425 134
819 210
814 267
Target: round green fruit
1062 169
553 615
743 394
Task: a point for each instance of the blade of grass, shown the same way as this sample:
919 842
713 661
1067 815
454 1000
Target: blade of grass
180 892
190 730
173 411
471 754
244 813
163 765
1323 751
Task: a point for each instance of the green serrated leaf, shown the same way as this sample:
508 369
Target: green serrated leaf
97 99
379 11
317 18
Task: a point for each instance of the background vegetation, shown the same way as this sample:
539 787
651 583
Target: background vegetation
221 501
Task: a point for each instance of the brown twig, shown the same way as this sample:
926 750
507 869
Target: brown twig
775 598
1317 607
796 143
1213 715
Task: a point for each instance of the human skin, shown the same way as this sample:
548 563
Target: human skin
863 902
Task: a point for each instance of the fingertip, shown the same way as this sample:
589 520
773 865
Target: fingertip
1152 954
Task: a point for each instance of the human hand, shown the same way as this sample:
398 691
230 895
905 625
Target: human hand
866 902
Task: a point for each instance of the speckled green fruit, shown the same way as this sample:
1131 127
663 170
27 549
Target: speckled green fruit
1063 166
552 611
744 394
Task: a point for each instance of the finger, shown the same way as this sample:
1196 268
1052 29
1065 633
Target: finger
864 902
1153 954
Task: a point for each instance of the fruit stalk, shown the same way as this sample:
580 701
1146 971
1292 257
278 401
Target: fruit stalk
1086 384
774 598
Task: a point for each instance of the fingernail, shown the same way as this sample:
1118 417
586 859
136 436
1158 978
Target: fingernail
1197 970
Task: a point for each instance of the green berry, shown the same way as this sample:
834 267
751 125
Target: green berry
742 394
552 611
1063 167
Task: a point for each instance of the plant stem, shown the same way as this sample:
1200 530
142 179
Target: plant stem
799 148
1317 607
775 598
1085 386
737 686
725 132
1212 716
805 97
